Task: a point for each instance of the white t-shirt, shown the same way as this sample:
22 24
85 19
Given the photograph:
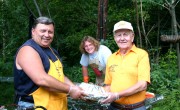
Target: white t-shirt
103 53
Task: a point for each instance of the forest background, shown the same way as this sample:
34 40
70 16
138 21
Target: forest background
153 21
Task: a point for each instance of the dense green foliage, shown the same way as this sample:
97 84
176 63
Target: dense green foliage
76 18
165 81
7 93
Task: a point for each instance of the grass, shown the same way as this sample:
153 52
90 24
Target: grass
6 93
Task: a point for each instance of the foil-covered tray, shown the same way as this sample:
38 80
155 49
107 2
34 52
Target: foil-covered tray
94 92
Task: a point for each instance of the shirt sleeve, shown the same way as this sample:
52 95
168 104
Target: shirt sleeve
84 60
108 77
144 67
105 53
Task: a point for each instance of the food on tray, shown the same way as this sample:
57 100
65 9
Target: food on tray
94 92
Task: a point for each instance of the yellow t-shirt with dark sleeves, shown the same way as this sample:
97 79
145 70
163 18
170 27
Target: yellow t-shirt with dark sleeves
122 72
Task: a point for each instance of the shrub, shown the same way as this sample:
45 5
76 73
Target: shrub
75 74
164 81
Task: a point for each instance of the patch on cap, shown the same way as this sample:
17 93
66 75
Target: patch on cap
121 23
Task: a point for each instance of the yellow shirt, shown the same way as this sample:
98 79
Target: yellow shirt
122 72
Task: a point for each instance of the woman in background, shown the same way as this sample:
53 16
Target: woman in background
95 56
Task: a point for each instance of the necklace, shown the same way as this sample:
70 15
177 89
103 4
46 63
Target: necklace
57 67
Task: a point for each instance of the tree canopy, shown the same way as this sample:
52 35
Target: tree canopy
77 18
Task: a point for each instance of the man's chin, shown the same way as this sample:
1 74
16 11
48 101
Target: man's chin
45 45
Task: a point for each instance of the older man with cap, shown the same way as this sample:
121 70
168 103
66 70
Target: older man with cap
127 71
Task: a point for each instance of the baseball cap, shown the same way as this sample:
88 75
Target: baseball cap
122 25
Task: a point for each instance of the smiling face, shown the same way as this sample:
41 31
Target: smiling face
89 47
124 39
43 34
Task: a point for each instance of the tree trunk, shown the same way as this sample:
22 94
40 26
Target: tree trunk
142 21
104 20
137 21
37 7
174 23
157 42
102 15
3 33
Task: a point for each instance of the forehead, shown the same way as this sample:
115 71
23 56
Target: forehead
44 26
123 31
87 43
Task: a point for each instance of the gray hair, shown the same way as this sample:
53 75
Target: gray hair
42 20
